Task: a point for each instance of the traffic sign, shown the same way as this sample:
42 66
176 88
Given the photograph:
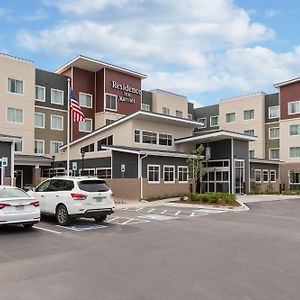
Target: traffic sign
4 161
123 168
74 165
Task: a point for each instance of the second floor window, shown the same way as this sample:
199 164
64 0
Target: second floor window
15 115
57 122
166 111
108 141
274 133
86 126
85 100
249 132
15 86
230 117
145 107
179 114
111 102
274 153
39 146
57 97
294 107
54 146
40 93
249 114
19 146
214 121
39 120
273 112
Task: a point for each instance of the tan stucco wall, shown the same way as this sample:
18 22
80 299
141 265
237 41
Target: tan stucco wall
162 99
284 172
100 118
129 189
263 187
287 141
20 70
238 105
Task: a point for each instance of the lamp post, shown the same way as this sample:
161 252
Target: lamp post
82 161
53 160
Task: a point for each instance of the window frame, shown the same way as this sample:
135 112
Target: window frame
39 113
86 94
260 175
249 110
63 94
231 113
276 138
112 95
44 93
216 116
269 112
51 143
204 123
174 174
104 168
51 123
145 105
290 130
274 173
15 93
263 176
22 146
289 108
43 142
167 108
153 182
187 174
15 109
270 149
249 131
298 157
180 112
85 122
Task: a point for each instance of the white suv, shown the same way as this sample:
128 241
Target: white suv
74 197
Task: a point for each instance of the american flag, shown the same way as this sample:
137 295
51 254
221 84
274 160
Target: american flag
75 108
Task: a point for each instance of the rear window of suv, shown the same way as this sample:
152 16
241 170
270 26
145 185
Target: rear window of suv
93 186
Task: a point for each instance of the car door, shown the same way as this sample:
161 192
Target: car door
41 193
53 195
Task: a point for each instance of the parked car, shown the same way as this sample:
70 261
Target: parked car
74 197
17 207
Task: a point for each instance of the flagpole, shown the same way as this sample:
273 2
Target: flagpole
68 131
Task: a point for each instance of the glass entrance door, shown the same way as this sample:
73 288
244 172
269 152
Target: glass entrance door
239 176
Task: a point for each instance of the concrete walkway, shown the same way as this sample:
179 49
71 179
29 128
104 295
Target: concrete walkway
264 198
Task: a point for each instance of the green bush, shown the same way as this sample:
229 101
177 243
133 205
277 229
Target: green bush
212 198
291 192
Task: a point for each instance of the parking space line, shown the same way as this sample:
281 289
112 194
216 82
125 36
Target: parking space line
177 213
192 214
164 211
125 208
151 209
48 230
112 219
139 209
124 223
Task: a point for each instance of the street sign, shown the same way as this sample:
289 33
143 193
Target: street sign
4 161
123 168
74 166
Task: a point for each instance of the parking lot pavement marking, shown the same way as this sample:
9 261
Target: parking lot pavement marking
157 217
128 221
82 227
192 214
164 211
48 230
139 209
210 211
177 213
136 221
125 208
112 219
150 210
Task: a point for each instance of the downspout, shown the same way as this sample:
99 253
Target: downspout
12 163
232 169
140 173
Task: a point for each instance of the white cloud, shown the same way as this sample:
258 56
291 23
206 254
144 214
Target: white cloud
189 46
271 13
38 15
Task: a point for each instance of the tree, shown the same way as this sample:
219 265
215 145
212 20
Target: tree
195 163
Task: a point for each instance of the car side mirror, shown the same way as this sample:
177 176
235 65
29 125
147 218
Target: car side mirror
33 189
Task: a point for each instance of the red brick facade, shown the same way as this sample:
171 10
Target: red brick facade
289 93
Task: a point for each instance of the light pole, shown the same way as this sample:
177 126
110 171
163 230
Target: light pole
82 161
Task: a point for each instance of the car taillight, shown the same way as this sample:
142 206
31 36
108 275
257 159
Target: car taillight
35 203
112 194
76 196
2 205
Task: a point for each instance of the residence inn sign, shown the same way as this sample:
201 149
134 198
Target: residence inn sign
128 92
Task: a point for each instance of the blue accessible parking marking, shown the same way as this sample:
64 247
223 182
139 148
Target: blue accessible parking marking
83 227
210 211
157 217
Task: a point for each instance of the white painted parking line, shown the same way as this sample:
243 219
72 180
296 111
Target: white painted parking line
151 209
139 209
48 230
126 222
136 221
164 211
125 208
192 214
177 213
112 219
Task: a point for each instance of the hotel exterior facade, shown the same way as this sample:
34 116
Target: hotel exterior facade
141 139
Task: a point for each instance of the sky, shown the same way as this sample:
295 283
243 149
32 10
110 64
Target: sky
206 50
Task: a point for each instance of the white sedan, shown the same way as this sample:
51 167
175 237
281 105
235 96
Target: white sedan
17 207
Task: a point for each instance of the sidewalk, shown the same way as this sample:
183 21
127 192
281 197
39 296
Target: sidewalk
264 198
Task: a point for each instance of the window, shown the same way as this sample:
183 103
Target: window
40 93
149 137
137 136
153 173
85 100
179 114
169 174
274 153
272 175
257 175
14 115
294 152
108 141
145 107
251 153
274 133
190 116
57 122
274 112
214 121
294 129
111 102
86 172
294 107
88 148
15 86
39 146
230 117
57 97
54 146
86 126
265 175
294 179
249 132
202 120
39 120
108 121
182 174
104 173
19 146
249 114
166 111
165 139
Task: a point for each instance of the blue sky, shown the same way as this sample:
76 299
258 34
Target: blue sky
206 50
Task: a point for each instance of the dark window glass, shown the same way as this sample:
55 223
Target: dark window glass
93 185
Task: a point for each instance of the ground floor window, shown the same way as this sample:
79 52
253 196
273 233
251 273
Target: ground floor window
294 179
87 172
272 175
182 174
265 175
257 175
153 173
169 174
50 172
104 173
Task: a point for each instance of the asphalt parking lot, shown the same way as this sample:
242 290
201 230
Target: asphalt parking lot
141 253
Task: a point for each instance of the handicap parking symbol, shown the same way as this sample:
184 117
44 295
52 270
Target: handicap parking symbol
83 227
157 217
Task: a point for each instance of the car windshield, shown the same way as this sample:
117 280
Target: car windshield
12 193
93 186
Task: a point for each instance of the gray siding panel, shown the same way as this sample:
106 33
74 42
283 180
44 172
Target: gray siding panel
263 166
271 100
131 164
220 149
5 148
147 98
207 112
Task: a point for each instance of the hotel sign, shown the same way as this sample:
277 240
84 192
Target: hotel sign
128 92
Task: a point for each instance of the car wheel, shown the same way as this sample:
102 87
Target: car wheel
28 226
62 216
100 219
